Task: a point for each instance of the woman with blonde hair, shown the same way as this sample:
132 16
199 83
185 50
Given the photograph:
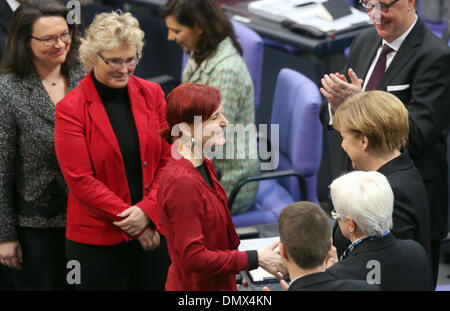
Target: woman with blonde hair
374 129
111 155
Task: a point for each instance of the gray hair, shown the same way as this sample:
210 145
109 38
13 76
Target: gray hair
365 197
108 31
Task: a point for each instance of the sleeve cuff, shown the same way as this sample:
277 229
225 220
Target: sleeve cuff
330 122
253 262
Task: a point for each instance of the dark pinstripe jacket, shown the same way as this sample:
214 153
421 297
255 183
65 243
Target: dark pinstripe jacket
32 189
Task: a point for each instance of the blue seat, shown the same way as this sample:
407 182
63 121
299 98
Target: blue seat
296 112
439 28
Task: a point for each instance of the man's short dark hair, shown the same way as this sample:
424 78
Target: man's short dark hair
305 232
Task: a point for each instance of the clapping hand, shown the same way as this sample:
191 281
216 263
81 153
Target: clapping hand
337 89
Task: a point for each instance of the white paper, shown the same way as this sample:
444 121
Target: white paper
278 10
258 275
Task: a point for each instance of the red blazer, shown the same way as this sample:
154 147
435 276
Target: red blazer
90 159
200 234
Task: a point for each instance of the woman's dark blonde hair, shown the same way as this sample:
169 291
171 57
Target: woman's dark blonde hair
378 115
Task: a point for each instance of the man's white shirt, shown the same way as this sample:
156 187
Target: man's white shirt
13 4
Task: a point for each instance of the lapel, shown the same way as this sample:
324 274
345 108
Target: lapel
98 114
194 73
40 103
140 112
369 53
217 189
404 54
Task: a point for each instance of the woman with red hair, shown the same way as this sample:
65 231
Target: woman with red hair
200 234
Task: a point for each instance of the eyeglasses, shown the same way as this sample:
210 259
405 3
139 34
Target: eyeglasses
67 36
335 215
383 7
116 63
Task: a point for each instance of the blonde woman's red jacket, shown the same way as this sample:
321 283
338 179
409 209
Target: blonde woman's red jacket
90 159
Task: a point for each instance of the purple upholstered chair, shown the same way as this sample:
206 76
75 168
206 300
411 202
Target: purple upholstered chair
296 112
252 47
437 27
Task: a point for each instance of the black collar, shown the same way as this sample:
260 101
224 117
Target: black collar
372 245
402 162
311 280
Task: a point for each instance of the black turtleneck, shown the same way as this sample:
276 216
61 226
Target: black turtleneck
118 108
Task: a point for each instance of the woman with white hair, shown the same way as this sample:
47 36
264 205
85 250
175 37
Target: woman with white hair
111 155
363 203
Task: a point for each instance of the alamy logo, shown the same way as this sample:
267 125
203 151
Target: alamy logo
74 15
374 11
74 275
241 142
374 275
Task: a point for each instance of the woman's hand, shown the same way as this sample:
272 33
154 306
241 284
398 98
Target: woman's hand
270 260
135 220
11 254
149 239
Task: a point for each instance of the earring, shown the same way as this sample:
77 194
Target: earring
190 143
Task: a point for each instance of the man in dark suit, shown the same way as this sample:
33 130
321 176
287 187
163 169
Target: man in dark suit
304 244
363 203
402 56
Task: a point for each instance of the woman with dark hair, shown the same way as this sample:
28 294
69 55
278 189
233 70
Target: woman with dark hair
192 204
39 68
202 29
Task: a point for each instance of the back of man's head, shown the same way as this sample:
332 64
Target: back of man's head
305 233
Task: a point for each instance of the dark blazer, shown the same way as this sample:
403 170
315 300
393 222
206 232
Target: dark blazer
411 213
32 189
403 264
325 281
4 24
92 164
410 216
423 63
